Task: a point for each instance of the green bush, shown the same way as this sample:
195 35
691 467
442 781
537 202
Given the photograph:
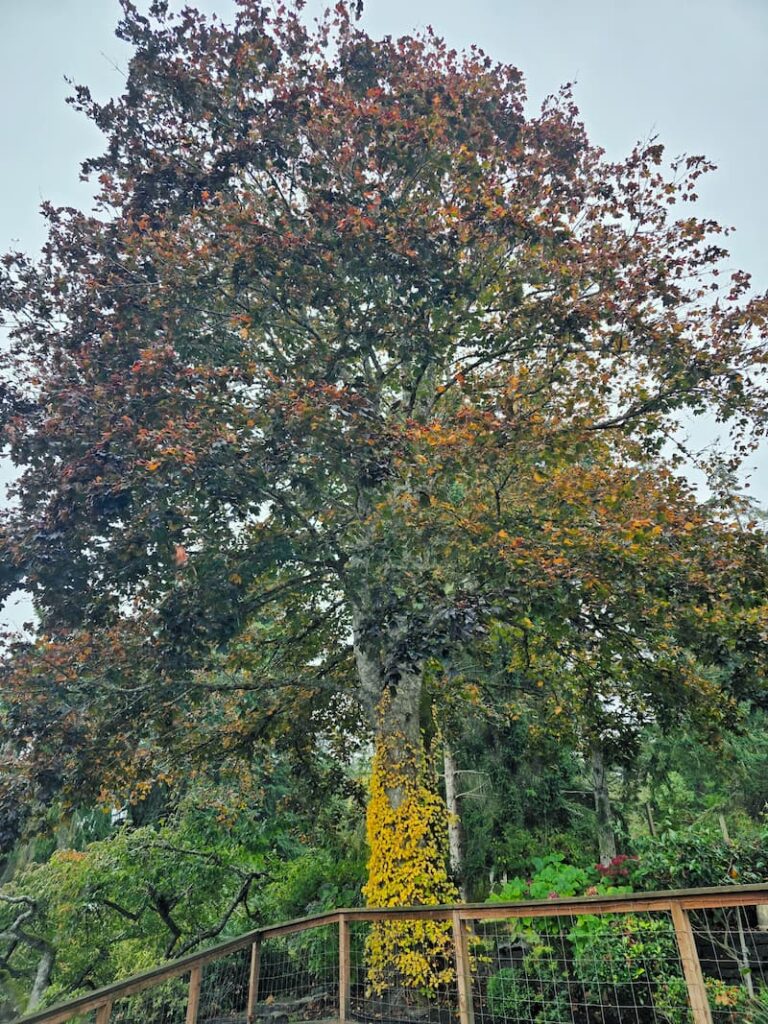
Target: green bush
732 1003
615 960
551 878
755 1010
630 958
534 991
167 1001
700 856
315 881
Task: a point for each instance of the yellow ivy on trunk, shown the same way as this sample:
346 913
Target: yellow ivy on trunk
407 829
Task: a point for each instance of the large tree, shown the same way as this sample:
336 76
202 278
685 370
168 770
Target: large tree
316 261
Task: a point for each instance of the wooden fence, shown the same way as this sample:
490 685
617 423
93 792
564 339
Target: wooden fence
678 956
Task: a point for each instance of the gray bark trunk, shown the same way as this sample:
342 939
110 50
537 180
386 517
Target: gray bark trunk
42 979
396 718
398 724
454 821
606 839
368 671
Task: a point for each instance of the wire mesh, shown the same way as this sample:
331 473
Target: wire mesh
224 989
299 976
619 966
403 971
733 952
578 969
164 1003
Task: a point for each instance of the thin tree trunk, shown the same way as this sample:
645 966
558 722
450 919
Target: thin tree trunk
649 816
42 978
606 839
745 966
455 855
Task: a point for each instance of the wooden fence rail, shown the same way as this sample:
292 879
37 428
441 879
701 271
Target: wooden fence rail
677 904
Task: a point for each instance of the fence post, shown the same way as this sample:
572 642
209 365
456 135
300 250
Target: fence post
463 970
103 1013
253 981
344 969
193 1001
689 956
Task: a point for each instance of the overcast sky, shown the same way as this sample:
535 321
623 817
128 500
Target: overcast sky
693 72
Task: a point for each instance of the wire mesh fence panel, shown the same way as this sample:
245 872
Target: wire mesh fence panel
642 960
579 969
403 971
224 989
299 975
164 1003
733 953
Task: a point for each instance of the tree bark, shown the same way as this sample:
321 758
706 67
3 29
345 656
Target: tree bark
42 978
393 704
606 839
406 825
454 821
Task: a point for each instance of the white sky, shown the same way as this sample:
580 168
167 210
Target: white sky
695 72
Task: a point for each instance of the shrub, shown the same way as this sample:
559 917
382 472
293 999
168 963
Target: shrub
630 958
534 991
552 878
733 1004
685 858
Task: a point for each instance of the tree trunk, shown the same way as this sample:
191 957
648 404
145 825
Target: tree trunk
606 840
42 978
398 727
406 828
454 821
393 704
